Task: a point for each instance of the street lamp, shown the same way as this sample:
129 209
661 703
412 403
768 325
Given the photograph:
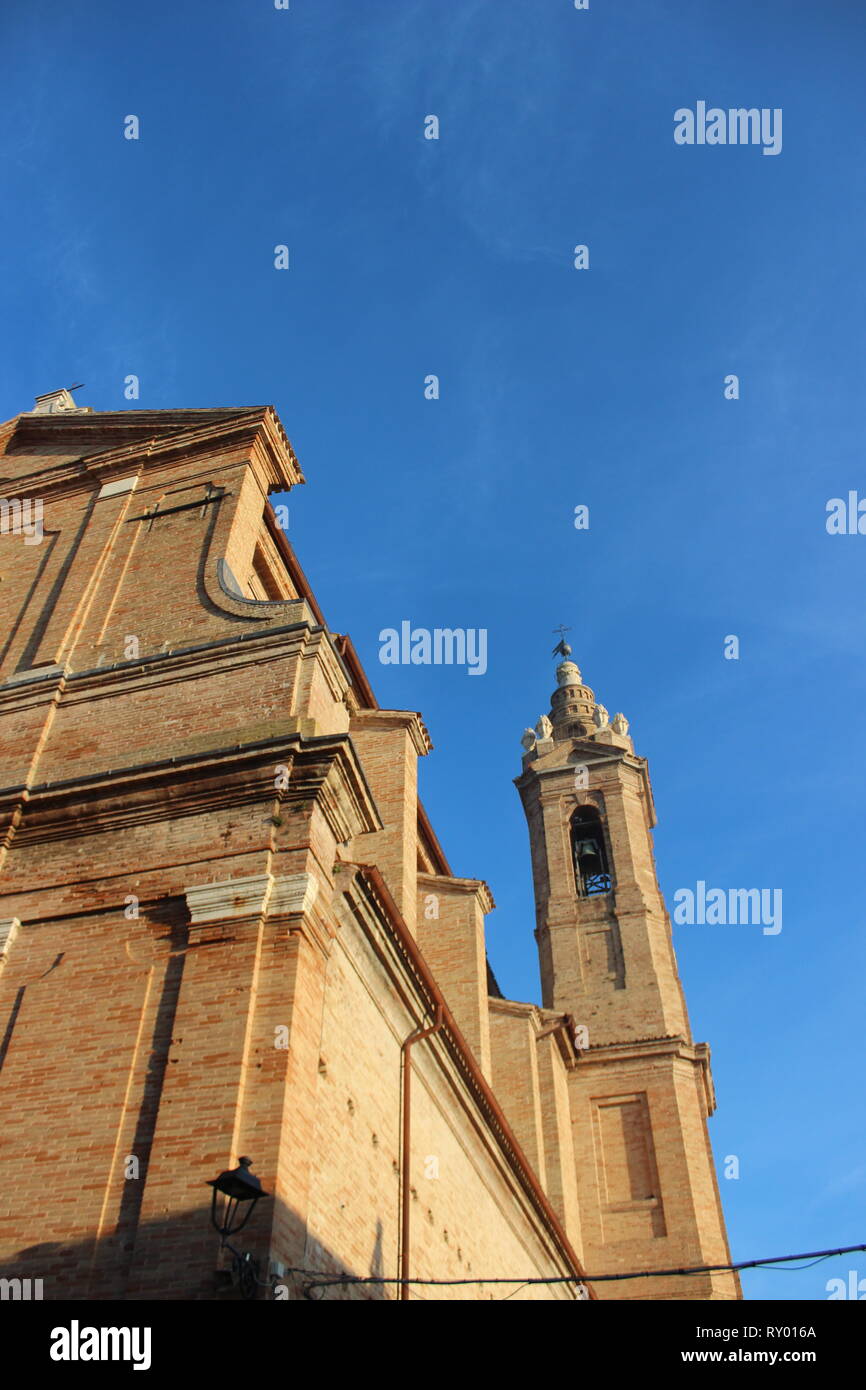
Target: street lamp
241 1190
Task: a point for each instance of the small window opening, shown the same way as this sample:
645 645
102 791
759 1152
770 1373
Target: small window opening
263 583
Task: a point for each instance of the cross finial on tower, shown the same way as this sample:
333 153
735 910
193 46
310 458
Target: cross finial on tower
562 648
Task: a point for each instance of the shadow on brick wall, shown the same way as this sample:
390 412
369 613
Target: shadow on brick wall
179 1259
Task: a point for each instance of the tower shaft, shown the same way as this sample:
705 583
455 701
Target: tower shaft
642 1092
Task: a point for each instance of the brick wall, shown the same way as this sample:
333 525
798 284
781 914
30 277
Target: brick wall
195 969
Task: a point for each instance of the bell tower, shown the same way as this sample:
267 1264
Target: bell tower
642 1091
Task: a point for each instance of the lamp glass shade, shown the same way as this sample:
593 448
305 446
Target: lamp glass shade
239 1184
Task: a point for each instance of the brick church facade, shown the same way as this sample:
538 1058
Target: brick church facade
228 928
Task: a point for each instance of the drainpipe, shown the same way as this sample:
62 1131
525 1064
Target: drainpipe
405 1189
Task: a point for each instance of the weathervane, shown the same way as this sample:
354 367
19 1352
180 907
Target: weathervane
562 648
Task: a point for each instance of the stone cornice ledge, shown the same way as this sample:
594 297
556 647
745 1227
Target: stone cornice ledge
641 1048
229 898
384 719
474 887
155 436
9 929
251 896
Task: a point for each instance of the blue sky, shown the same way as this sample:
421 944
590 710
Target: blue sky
558 387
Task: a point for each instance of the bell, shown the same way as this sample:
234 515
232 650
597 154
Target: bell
587 853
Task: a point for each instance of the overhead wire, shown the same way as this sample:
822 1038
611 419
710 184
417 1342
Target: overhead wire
317 1282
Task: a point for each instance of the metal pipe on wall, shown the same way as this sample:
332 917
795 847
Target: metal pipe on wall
405 1188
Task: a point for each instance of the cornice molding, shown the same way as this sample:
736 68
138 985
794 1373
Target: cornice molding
171 665
9 929
387 719
641 1050
324 769
472 887
154 436
672 1045
540 780
228 898
516 1009
283 900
